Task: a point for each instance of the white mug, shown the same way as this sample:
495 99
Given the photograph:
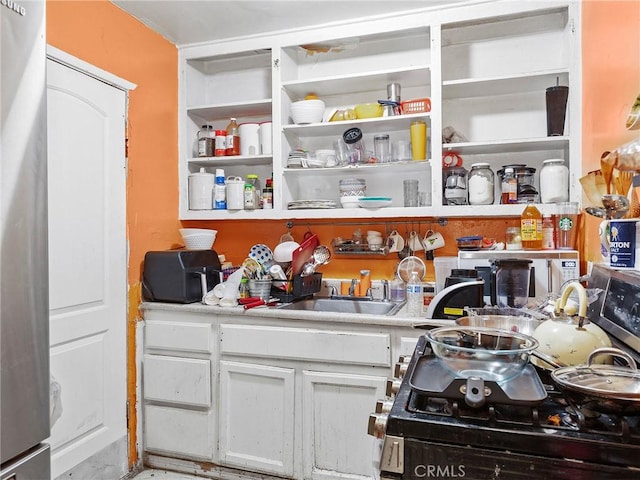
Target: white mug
415 244
433 240
395 242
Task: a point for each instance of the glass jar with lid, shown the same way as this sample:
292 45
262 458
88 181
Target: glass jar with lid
481 183
554 181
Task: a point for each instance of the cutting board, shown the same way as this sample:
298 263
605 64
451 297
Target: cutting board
303 253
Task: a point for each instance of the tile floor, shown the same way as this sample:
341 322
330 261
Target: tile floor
153 474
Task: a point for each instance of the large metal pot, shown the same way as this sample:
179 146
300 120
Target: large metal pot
602 388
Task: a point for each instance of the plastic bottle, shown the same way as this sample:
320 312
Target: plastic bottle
531 227
244 288
249 196
414 295
397 289
220 191
233 138
548 231
509 187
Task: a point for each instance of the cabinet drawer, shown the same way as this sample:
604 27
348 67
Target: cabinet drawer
180 336
176 431
306 344
177 380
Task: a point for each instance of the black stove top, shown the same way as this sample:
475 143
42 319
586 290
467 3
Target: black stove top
529 432
551 428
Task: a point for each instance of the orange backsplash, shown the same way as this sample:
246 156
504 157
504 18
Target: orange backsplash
236 237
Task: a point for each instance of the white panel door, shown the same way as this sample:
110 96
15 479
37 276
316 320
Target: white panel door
256 417
336 410
87 266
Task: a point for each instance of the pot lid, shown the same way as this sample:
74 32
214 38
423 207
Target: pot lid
612 382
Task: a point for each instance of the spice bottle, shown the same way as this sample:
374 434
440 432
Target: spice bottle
220 143
548 233
249 196
233 138
509 187
531 227
205 141
267 195
253 179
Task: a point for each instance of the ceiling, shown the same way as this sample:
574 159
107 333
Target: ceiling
184 22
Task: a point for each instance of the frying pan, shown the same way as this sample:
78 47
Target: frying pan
602 388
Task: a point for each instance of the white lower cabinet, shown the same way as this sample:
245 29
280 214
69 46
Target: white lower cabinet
257 417
286 398
335 441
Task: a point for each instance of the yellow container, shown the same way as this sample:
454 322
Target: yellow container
418 131
368 110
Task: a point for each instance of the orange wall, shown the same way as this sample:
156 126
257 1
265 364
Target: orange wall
100 33
105 36
610 83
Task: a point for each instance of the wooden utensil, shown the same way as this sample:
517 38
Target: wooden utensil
623 182
607 171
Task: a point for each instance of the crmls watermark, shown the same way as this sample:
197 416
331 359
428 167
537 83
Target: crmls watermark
439 471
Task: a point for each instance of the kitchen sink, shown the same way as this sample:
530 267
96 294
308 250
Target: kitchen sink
344 305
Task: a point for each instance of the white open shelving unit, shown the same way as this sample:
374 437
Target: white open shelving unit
484 67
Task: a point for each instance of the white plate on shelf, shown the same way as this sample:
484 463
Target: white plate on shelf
374 202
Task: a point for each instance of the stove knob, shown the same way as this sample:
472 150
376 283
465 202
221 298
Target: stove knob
384 406
404 358
377 425
393 386
400 370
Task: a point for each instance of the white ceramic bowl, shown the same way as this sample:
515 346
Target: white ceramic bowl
198 238
307 111
350 202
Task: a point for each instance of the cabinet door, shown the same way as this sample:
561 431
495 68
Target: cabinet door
336 409
256 417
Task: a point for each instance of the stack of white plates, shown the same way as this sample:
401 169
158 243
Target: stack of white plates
312 204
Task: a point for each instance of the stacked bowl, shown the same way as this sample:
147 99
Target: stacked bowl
351 191
307 111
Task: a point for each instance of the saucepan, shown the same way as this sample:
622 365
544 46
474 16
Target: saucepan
602 388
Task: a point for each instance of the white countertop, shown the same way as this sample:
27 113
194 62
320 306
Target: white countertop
400 319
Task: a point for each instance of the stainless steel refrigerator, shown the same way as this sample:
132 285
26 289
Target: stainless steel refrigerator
24 298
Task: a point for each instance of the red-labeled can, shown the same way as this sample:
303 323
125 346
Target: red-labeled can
221 143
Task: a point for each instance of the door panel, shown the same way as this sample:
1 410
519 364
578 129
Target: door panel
87 268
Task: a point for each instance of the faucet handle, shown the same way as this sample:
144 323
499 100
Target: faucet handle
352 288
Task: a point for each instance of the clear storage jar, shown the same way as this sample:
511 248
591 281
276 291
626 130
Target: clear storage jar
554 181
481 183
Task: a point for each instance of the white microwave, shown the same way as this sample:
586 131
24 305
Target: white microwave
549 268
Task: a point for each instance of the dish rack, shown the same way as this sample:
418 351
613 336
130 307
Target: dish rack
298 288
347 248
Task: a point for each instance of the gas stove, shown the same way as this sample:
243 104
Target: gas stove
524 431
